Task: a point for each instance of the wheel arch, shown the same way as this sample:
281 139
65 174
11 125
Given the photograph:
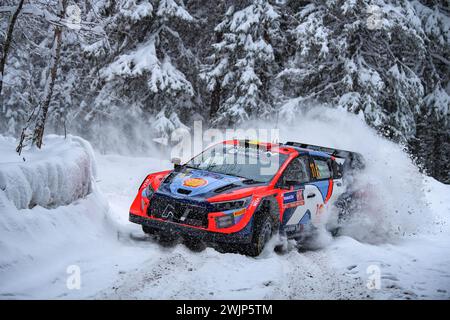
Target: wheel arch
268 205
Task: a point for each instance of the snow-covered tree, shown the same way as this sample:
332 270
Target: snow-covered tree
134 70
361 55
431 144
7 43
142 55
35 77
242 63
22 65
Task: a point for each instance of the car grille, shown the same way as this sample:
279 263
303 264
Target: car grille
176 211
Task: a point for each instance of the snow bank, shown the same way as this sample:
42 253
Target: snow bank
48 204
57 175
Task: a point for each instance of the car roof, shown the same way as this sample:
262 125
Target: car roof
282 148
311 152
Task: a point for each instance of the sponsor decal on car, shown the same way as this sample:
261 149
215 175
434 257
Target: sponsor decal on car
293 199
195 182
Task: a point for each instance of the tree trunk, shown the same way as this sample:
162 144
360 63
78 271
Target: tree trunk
7 44
215 100
217 91
48 91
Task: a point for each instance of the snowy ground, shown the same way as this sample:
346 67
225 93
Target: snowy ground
39 243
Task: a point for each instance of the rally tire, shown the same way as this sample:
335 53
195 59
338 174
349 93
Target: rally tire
167 239
194 245
149 230
266 225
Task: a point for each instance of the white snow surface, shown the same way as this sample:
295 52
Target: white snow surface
404 233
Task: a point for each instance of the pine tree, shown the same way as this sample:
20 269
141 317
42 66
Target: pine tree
241 64
142 54
359 56
134 70
431 143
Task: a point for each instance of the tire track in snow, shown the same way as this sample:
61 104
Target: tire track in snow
309 275
153 279
178 273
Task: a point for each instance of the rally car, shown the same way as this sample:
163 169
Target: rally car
238 193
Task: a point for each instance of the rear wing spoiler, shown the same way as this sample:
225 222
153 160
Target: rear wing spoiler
353 160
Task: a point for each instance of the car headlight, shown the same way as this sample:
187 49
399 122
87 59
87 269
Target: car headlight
231 205
225 221
228 220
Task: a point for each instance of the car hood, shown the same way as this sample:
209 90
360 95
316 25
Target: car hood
194 183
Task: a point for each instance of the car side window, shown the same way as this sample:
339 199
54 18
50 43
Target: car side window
297 170
323 169
336 168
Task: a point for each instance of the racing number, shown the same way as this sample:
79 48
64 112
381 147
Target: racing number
314 170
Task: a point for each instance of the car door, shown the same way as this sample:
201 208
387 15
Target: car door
293 198
322 188
336 165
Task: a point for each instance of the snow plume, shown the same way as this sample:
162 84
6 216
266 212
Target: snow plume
391 200
394 203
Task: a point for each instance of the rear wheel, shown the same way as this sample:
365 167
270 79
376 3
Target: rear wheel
345 206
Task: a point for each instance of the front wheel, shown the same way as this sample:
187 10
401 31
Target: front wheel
149 230
167 239
195 245
263 231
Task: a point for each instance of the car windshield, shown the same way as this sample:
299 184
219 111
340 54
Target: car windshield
251 163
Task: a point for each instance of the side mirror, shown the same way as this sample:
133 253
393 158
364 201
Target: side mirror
176 163
289 183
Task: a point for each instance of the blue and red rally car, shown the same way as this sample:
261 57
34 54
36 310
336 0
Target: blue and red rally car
238 193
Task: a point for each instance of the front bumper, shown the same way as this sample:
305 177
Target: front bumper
243 236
